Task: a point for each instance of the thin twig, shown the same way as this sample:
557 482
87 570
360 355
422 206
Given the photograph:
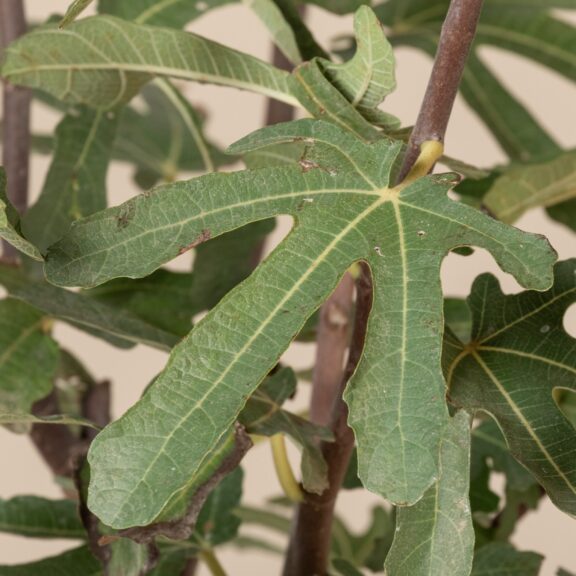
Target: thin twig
456 39
16 116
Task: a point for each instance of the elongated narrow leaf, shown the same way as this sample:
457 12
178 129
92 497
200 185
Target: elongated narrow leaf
323 100
10 224
279 28
28 356
525 187
518 354
76 183
172 13
435 537
75 9
106 74
41 518
345 213
57 419
72 563
264 415
84 312
165 139
501 559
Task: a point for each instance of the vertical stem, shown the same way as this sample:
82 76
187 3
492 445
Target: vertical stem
310 541
16 118
333 339
456 39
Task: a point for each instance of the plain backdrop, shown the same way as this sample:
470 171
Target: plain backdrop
232 114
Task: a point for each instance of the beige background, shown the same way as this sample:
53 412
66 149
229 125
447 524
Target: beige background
232 115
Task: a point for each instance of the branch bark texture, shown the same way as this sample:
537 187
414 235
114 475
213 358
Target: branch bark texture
458 32
16 118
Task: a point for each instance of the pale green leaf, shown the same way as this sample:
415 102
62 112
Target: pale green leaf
84 312
272 17
501 559
76 182
75 9
368 77
525 187
435 537
165 139
519 353
58 419
107 73
127 558
10 224
341 6
71 563
346 212
28 356
36 517
172 13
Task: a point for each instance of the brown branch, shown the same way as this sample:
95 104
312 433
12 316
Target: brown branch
333 339
311 537
16 115
56 444
456 39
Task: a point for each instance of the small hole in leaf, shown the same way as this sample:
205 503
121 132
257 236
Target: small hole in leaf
570 320
3 293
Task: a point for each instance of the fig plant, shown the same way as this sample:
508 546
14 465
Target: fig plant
418 398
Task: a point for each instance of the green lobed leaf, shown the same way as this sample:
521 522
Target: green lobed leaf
170 300
519 353
71 563
499 559
74 10
345 213
172 13
104 74
28 356
85 313
10 224
264 415
37 517
564 213
435 537
76 182
524 187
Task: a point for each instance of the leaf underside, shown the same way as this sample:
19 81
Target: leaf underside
344 212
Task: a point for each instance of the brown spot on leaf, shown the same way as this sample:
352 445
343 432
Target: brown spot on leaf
202 237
